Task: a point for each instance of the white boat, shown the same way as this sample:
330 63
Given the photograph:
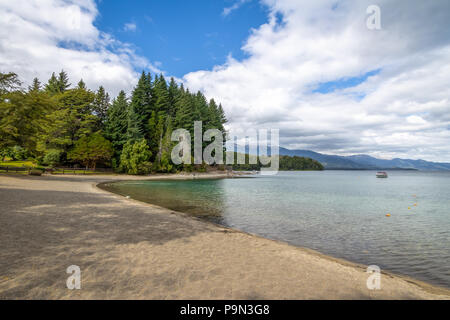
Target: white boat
382 174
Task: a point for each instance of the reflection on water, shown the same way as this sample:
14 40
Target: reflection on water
196 197
341 213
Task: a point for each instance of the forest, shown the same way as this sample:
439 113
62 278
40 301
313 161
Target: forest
286 163
60 124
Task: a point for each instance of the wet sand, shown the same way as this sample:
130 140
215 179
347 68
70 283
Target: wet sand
131 250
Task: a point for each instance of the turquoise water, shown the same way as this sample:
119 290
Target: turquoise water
340 213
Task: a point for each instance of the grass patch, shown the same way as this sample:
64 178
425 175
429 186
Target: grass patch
19 167
81 172
17 164
13 165
14 172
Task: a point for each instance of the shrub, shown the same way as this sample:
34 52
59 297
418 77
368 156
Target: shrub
52 158
16 153
135 158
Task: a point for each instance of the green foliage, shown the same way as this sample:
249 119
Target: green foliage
81 85
91 150
5 153
52 85
52 157
63 81
161 96
18 164
116 125
19 153
16 153
299 163
174 95
100 107
55 121
286 163
72 120
140 108
36 86
135 158
22 118
166 148
57 84
9 82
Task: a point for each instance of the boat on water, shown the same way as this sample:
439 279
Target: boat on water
382 174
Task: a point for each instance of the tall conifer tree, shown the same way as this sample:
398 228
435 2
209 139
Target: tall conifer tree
35 86
140 109
52 86
101 106
117 123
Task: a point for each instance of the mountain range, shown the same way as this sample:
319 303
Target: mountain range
365 162
361 161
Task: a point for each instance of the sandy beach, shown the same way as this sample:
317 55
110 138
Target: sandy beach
131 250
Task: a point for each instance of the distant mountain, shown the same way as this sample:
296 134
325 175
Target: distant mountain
366 162
328 161
399 163
361 161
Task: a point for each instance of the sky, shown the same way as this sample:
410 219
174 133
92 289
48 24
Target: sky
312 69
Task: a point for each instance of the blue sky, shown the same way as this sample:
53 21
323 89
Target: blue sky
344 83
183 36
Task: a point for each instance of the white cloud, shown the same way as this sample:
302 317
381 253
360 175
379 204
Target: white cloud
130 27
226 11
38 37
403 111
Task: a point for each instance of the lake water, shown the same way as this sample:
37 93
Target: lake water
339 213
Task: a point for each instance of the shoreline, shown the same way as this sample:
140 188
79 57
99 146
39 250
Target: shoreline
311 274
435 289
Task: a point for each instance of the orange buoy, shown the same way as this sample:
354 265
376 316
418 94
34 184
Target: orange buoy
388 215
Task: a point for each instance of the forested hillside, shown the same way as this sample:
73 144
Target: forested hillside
286 163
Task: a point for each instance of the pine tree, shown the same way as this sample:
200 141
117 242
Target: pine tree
35 86
52 86
153 137
101 106
117 123
57 85
161 95
63 81
185 112
216 115
202 110
9 82
166 148
174 96
81 85
140 109
159 133
222 117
